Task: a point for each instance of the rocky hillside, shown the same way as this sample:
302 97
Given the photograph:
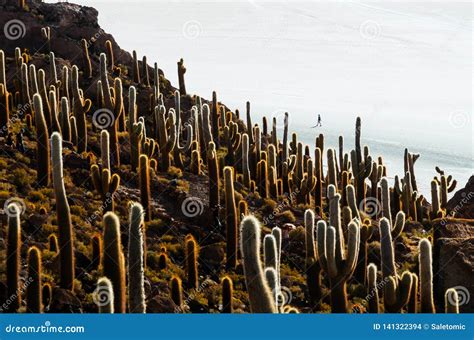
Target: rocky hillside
116 184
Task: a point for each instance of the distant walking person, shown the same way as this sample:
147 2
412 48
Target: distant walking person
319 122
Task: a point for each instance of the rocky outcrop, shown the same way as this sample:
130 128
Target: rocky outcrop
461 205
453 260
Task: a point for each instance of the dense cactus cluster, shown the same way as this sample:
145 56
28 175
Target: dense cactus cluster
154 146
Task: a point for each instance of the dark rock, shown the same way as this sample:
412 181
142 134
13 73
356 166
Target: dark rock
461 205
453 263
64 301
160 304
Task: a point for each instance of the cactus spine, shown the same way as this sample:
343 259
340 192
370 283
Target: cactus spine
13 257
260 295
426 277
42 143
113 262
34 291
105 292
66 246
136 251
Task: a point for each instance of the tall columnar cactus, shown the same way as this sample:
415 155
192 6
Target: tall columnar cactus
135 129
409 166
4 109
113 102
397 292
105 149
167 136
451 301
47 293
86 60
105 185
106 298
113 261
136 259
446 185
260 295
13 257
43 91
412 306
81 107
181 72
313 268
144 182
366 231
66 244
145 73
372 289
110 54
191 250
339 265
269 252
276 232
55 125
176 289
375 176
97 251
135 68
42 144
3 78
213 171
318 190
34 290
215 119
245 160
53 243
64 120
361 166
227 293
332 173
425 264
387 235
435 200
231 218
